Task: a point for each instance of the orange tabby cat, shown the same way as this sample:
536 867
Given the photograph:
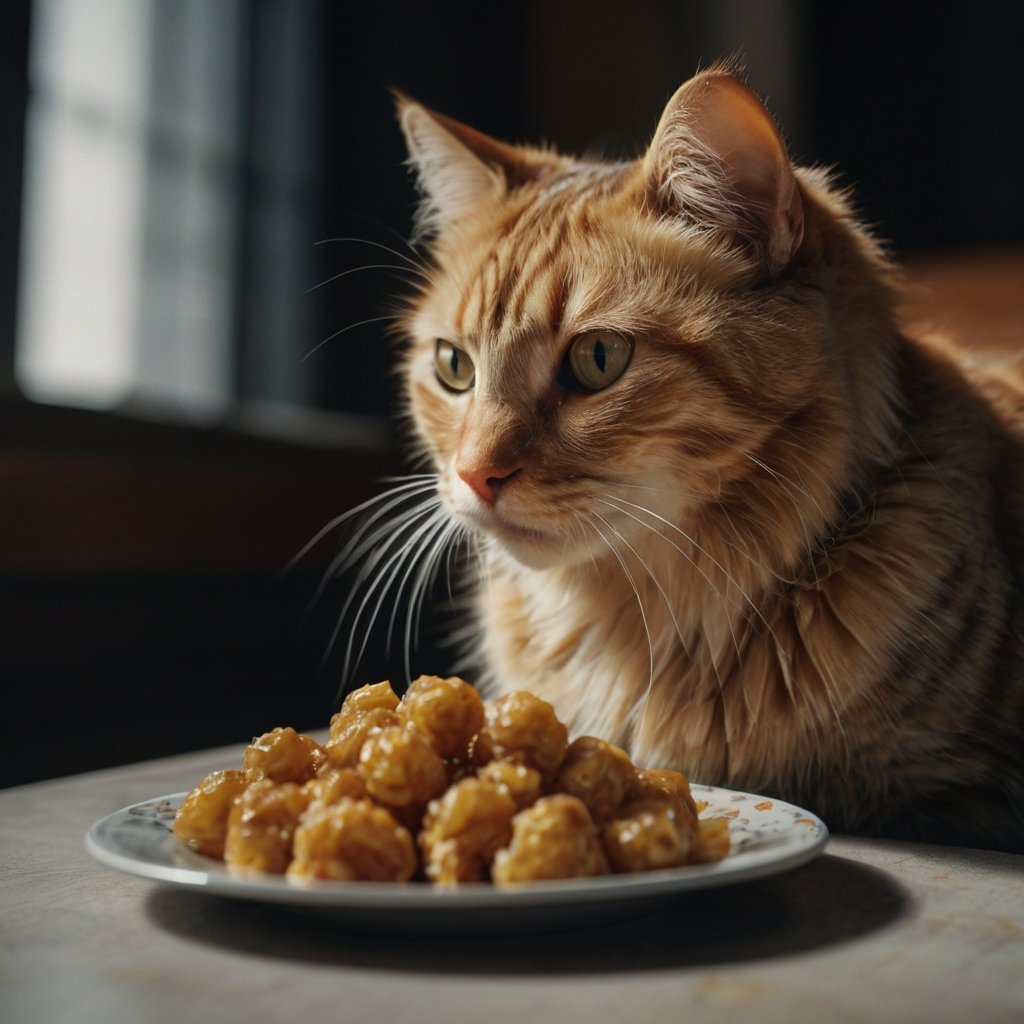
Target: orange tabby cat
723 512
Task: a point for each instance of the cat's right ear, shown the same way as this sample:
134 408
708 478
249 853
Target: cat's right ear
457 167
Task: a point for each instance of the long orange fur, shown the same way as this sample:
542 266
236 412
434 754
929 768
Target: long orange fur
784 550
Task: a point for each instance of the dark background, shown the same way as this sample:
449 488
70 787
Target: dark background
141 607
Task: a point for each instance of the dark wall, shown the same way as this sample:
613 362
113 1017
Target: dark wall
921 107
454 61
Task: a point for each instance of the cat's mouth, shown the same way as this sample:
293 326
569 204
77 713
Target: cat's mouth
502 527
527 544
529 531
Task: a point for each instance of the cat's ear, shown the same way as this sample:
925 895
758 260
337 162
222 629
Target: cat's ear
458 167
719 159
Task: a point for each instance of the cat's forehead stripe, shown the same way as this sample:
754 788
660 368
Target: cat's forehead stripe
489 289
526 248
543 260
506 293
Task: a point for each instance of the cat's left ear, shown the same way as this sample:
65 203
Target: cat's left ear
458 167
719 160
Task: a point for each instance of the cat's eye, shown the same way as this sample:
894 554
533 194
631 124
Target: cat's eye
454 368
595 360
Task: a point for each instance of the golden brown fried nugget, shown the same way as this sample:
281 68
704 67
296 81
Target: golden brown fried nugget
449 712
651 783
366 698
331 783
599 773
463 830
261 824
523 784
648 835
589 809
555 838
402 770
711 841
346 743
352 840
283 755
523 728
202 819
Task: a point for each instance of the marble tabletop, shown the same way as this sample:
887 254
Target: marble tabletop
869 931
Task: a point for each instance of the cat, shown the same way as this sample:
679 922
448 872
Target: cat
721 511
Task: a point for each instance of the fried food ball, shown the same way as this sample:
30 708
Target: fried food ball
449 712
202 819
711 841
523 728
402 770
652 783
352 840
344 746
331 783
283 755
555 838
489 790
648 835
261 824
599 773
366 698
463 830
523 784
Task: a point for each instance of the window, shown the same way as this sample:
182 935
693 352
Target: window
165 449
168 233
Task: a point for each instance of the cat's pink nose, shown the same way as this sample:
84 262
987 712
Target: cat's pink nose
487 481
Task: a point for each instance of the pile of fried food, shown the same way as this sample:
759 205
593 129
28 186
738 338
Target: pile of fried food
443 787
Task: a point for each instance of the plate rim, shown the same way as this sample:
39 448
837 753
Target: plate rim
388 897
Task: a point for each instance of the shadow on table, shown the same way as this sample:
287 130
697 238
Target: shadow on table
830 901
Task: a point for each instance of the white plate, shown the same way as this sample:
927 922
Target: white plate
768 836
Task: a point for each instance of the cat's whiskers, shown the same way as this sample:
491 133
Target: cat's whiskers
377 544
579 534
388 317
639 601
733 542
416 264
671 612
793 489
693 562
675 490
410 483
786 675
399 545
446 543
366 266
777 475
407 489
395 570
432 550
428 272
364 539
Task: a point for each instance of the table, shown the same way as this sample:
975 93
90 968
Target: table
870 931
